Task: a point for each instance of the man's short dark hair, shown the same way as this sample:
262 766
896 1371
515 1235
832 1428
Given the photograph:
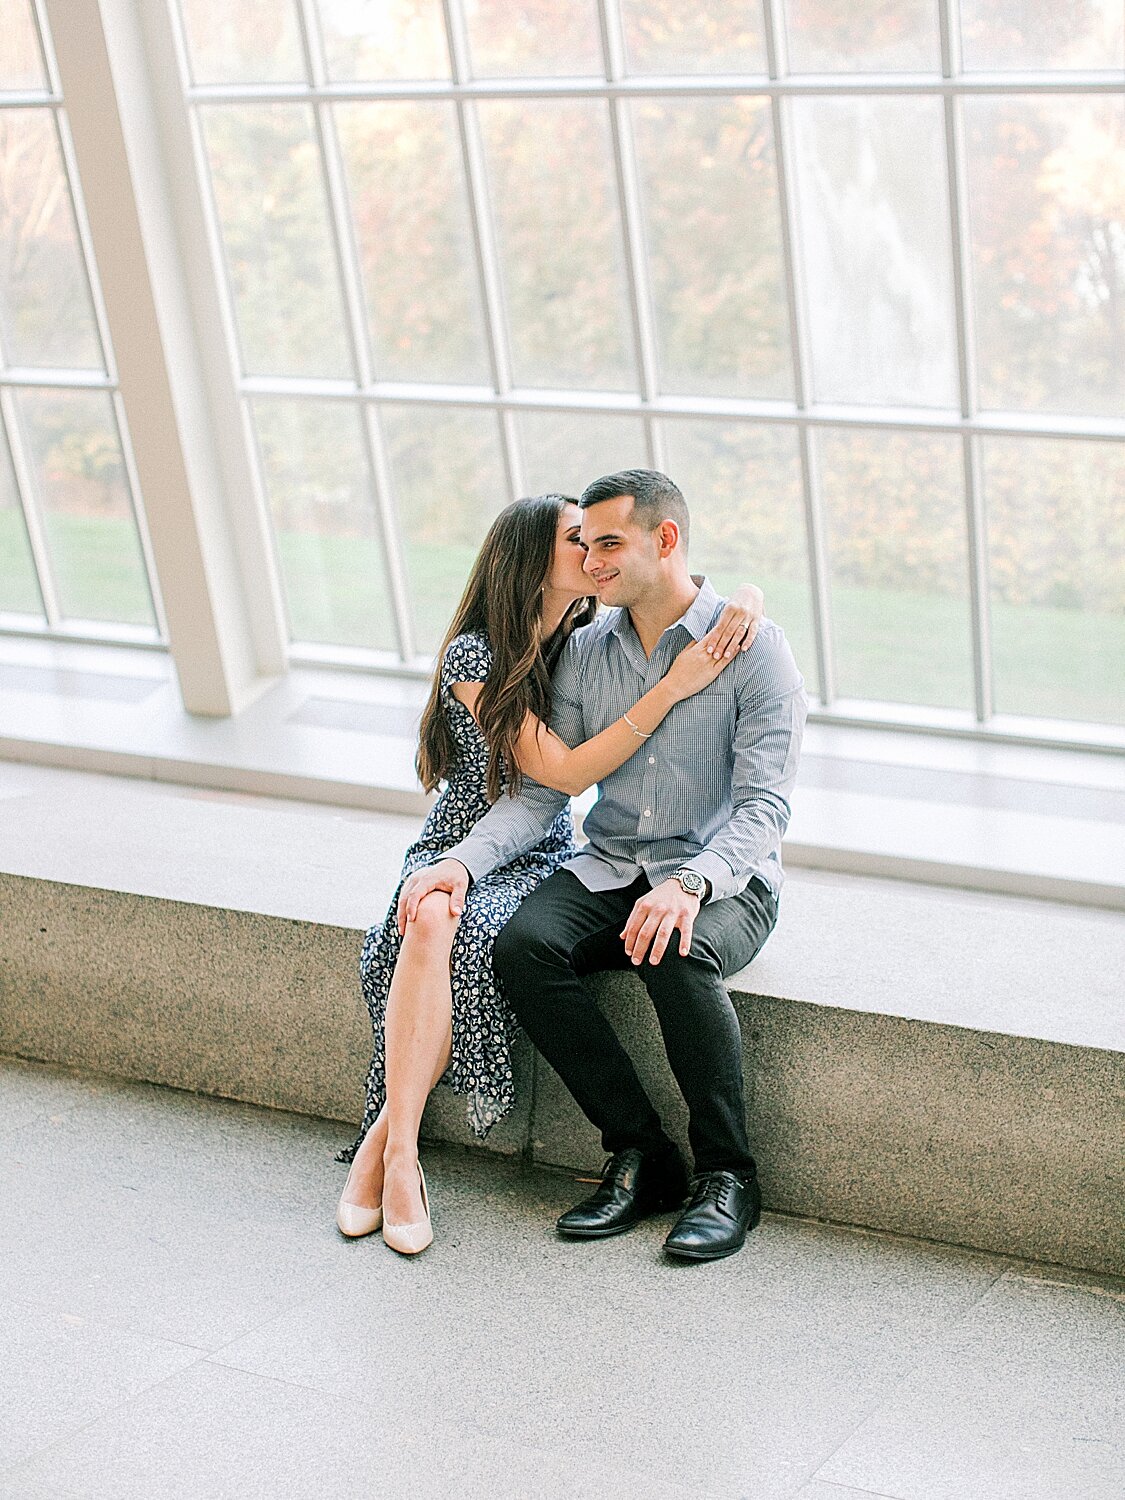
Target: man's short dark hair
655 497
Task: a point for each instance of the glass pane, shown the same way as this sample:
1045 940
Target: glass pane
91 530
563 452
1056 528
714 236
517 38
667 36
898 555
19 590
449 483
21 64
412 223
243 41
560 242
325 522
998 34
742 483
1047 212
876 245
384 39
46 317
864 36
274 218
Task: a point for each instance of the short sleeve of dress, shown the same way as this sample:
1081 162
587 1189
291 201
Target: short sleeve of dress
467 659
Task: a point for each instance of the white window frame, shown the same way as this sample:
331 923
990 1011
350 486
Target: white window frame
209 519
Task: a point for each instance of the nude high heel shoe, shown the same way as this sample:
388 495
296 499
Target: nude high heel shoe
409 1239
353 1219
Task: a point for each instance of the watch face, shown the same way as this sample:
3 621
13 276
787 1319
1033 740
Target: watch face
691 881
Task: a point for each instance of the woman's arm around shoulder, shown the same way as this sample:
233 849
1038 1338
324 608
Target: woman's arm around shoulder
545 757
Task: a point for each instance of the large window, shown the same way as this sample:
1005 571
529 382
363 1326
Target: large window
861 297
853 274
72 548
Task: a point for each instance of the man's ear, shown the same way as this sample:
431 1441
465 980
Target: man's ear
668 537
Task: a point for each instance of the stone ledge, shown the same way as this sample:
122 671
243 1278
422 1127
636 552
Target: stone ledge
978 1137
989 962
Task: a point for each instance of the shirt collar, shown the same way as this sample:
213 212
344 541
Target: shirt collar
696 619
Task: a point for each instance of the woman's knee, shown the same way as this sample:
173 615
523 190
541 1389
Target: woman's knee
434 924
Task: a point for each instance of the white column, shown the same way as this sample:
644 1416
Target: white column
209 534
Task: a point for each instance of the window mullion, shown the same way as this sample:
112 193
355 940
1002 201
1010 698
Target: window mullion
975 526
140 518
27 486
346 251
631 210
802 359
27 493
685 87
485 250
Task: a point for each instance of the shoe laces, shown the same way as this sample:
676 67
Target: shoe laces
713 1186
614 1169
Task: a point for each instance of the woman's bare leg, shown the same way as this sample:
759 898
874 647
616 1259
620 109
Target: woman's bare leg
418 1034
365 1178
417 1018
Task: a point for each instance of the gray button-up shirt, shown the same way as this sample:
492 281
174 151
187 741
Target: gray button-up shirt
708 790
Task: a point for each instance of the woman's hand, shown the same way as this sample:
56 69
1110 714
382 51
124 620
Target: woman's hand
693 669
738 624
447 875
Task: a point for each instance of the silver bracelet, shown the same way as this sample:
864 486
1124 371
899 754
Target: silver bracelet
641 735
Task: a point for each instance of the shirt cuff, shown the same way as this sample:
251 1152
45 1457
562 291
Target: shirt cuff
458 853
713 867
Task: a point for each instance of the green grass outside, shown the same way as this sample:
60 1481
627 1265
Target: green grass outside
99 571
895 645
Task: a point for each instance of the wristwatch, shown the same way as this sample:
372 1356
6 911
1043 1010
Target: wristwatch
692 882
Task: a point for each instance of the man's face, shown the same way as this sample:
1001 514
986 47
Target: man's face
622 558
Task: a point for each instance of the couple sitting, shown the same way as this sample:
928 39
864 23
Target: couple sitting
693 740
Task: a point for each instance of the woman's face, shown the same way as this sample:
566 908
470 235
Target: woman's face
566 573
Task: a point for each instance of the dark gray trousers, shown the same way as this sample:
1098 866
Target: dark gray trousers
564 931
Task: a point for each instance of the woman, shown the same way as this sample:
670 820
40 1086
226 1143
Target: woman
434 1004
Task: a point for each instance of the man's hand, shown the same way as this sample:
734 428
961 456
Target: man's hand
447 875
654 919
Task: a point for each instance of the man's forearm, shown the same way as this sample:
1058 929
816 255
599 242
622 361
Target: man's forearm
731 857
767 749
510 827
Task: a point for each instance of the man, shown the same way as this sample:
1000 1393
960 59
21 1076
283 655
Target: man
680 877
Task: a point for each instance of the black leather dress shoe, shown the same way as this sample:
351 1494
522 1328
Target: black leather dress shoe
723 1209
633 1186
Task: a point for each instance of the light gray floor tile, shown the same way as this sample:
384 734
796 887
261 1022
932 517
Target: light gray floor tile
31 1091
222 1433
1024 1400
58 1371
761 1364
818 1362
167 1270
169 1145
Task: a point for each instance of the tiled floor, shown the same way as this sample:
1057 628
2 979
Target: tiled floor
178 1317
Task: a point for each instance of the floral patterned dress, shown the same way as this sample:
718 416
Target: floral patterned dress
483 1025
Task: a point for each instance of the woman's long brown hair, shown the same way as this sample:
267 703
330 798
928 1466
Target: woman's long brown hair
504 600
